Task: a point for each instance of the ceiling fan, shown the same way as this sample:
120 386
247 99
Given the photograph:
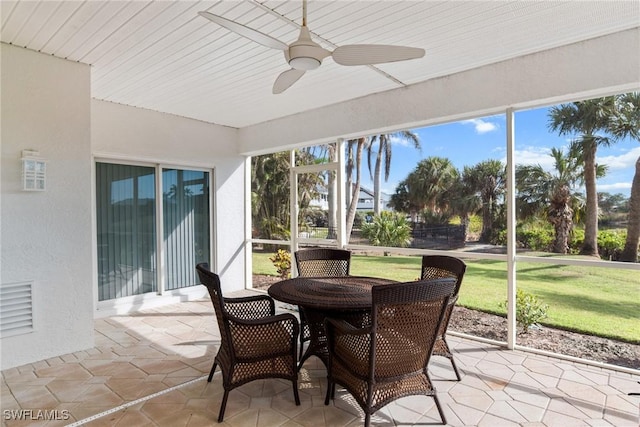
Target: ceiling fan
304 54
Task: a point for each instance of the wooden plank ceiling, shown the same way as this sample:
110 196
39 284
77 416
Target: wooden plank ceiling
163 56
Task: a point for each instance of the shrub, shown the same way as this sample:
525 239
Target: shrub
282 261
536 239
529 311
431 217
577 239
388 229
611 243
475 224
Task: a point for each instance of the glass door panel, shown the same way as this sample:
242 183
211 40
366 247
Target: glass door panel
126 218
186 225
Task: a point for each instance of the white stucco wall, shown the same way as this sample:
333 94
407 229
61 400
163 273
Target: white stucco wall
48 237
596 67
121 132
45 236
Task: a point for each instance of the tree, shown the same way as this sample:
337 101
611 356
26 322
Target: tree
270 195
425 187
383 155
487 179
553 195
332 197
612 202
631 117
355 148
594 122
463 201
630 251
270 201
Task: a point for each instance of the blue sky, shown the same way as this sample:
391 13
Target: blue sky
472 141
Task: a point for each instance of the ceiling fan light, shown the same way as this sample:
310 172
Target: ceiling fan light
304 63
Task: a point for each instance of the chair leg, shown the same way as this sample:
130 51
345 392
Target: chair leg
449 356
442 417
301 347
328 396
296 396
213 370
223 406
367 419
455 368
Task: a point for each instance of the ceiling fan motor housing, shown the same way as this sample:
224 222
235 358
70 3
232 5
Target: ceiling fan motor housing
304 53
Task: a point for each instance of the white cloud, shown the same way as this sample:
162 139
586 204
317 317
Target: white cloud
394 140
403 142
623 161
534 156
482 126
615 186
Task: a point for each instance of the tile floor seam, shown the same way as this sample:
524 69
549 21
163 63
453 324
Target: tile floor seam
133 402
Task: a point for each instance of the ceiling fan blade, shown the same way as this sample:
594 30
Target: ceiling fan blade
366 54
244 31
286 79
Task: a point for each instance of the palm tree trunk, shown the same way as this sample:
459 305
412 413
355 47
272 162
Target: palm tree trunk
349 168
351 213
332 219
630 251
561 217
377 181
590 244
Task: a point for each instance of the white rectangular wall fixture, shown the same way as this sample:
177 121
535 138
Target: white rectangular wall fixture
16 309
34 171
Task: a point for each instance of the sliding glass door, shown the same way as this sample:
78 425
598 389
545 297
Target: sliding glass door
128 208
185 223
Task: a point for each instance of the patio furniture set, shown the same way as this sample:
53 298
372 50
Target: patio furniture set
375 336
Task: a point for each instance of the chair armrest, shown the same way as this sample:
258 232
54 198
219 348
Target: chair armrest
267 320
348 344
268 335
251 307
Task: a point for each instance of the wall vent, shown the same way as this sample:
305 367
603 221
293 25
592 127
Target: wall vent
16 308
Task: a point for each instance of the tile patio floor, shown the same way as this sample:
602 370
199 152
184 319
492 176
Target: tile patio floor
150 369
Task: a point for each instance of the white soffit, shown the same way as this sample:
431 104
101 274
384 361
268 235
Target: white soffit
162 56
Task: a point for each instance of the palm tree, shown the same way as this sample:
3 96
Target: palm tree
463 201
594 122
383 155
270 195
270 200
332 202
630 251
427 183
553 194
630 103
487 179
355 148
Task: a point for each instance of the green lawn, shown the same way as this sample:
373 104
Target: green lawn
599 301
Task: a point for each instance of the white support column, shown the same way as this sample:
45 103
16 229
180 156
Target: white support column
293 202
343 240
511 232
248 224
161 270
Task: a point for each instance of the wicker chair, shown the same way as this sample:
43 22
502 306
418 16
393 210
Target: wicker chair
323 262
319 262
389 359
439 266
255 343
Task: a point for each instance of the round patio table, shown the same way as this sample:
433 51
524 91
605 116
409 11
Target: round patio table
345 297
